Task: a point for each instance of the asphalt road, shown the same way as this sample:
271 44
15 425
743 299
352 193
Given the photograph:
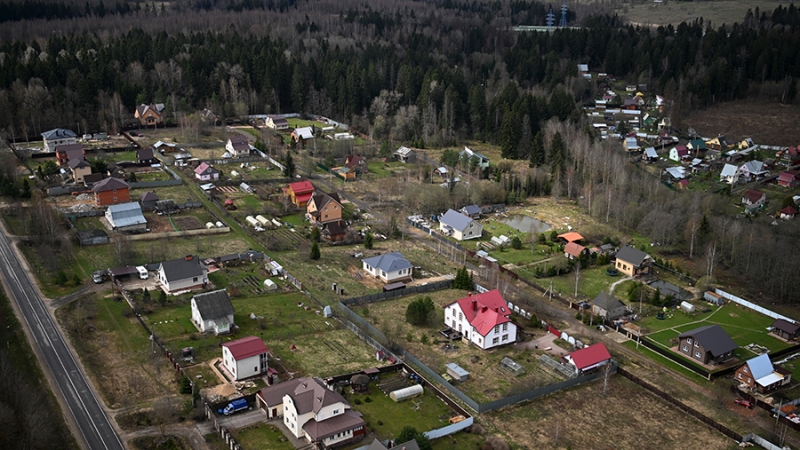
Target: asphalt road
90 418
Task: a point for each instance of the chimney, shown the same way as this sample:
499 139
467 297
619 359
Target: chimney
484 308
474 305
469 294
496 309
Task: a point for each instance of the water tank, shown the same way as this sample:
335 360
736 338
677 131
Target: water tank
406 393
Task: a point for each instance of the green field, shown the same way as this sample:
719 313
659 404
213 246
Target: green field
743 325
262 437
592 281
387 418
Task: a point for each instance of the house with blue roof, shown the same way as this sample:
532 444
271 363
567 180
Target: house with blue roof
759 373
389 267
460 226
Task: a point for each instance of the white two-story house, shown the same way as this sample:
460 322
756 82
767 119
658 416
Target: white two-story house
245 357
483 319
311 411
182 274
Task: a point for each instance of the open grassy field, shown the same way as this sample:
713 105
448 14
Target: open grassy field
718 12
487 380
744 118
625 416
116 351
178 193
592 281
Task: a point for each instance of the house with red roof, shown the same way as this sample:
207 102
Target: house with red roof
245 357
204 172
573 250
787 213
570 237
589 358
789 178
482 319
299 192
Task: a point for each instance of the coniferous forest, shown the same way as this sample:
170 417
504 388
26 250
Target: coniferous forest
428 74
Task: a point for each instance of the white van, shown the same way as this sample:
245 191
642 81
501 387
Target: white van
142 272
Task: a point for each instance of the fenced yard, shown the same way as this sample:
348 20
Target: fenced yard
304 341
487 379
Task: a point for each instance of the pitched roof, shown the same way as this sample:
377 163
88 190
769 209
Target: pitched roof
753 195
789 211
301 187
785 325
183 268
760 366
590 356
273 395
410 445
754 166
71 150
239 143
144 153
404 151
389 262
676 172
574 249
484 311
468 151
110 184
321 199
455 219
787 176
149 196
354 160
126 214
471 209
75 163
343 422
607 302
310 395
214 304
650 152
204 168
570 237
632 255
728 170
713 338
246 347
58 133
335 228
303 133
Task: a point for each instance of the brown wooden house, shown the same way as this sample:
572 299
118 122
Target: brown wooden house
786 330
708 345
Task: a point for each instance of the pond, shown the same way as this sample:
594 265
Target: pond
526 224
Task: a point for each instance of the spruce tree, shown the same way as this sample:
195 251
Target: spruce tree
315 255
288 165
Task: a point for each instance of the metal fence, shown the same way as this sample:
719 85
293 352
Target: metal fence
371 298
753 306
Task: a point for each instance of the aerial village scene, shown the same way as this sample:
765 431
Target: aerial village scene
425 225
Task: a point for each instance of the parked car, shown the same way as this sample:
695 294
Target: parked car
743 402
98 276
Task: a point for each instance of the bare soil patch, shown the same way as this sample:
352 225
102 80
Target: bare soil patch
626 416
188 223
748 118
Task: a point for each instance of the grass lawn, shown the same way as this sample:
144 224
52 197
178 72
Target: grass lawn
88 223
142 177
743 325
592 281
388 418
294 122
178 193
382 169
296 220
266 437
666 362
118 156
14 225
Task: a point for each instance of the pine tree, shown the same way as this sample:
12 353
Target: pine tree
508 136
368 240
315 235
557 153
315 255
288 165
537 150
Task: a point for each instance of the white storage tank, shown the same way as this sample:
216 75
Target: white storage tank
262 220
251 220
220 224
209 225
406 393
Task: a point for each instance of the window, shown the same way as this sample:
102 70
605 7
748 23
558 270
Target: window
696 344
460 316
114 191
336 411
689 340
685 348
497 328
505 337
495 340
194 279
505 327
745 370
740 375
115 199
255 369
697 355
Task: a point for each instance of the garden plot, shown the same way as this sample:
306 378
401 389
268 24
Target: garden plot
625 415
487 380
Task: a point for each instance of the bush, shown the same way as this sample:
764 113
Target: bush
420 311
516 243
61 278
357 401
424 339
368 399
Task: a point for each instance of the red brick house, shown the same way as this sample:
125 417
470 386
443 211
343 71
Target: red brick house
111 191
